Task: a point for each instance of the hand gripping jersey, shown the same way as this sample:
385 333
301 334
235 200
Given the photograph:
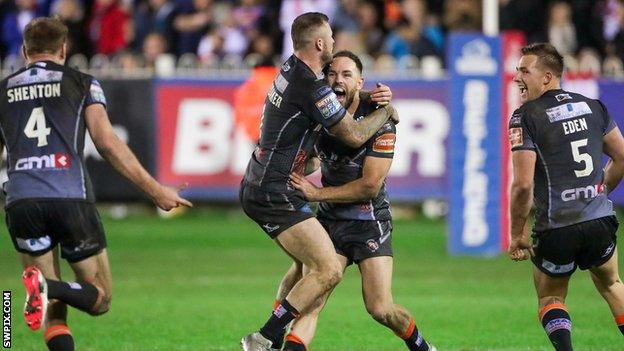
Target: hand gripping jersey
297 107
341 164
42 126
566 131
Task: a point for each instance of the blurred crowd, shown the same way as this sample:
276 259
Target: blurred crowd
392 34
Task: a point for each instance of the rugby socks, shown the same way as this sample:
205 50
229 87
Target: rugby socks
59 338
80 295
413 339
558 326
281 316
277 344
619 320
294 343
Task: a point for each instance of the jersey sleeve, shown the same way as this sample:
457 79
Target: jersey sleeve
520 134
95 94
609 123
322 105
382 143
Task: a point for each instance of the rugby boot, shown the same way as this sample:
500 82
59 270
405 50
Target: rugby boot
36 297
255 342
432 348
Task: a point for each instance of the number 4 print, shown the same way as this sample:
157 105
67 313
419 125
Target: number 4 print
36 127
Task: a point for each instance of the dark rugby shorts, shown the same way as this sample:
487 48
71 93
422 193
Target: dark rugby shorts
274 212
590 244
359 240
37 226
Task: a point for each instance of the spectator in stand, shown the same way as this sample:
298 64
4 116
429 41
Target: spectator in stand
154 45
616 45
416 12
462 15
72 15
14 22
527 16
370 32
193 25
110 28
211 47
262 46
408 39
290 9
346 17
561 31
154 16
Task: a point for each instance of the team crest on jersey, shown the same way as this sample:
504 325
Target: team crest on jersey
329 105
385 144
515 137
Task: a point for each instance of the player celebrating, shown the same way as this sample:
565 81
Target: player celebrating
558 138
298 106
44 109
355 211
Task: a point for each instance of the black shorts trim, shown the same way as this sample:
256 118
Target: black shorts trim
37 227
274 212
360 240
560 251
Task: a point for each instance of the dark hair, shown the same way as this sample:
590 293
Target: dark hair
304 25
44 35
547 56
353 57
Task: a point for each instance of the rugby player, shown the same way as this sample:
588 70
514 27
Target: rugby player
299 105
355 210
558 138
44 110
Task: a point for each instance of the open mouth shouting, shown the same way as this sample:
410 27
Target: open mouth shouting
341 94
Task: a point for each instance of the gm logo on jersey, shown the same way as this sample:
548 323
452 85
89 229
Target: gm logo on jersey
476 59
52 161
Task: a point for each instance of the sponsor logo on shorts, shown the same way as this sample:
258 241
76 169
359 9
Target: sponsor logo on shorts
557 268
329 105
609 250
385 144
372 245
35 244
74 285
52 161
515 137
270 228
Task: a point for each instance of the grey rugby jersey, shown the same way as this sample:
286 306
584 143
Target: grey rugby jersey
42 126
566 131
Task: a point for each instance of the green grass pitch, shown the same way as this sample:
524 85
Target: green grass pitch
202 281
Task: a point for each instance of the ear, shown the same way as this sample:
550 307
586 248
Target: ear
319 44
64 51
548 77
24 53
360 83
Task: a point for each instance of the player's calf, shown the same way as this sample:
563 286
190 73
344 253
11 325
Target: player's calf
558 325
59 338
84 296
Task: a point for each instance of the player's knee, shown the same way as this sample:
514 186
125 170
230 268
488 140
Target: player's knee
335 276
379 312
102 305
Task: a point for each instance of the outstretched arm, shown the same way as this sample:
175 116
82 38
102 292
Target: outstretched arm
119 155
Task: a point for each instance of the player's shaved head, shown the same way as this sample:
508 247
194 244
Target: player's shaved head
305 27
548 57
44 35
